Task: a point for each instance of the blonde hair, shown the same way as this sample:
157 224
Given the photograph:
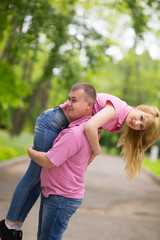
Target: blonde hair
135 142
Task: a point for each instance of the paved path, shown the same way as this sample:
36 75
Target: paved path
113 208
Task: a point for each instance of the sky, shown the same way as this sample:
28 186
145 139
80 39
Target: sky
124 34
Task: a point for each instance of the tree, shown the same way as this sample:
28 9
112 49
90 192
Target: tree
27 24
42 37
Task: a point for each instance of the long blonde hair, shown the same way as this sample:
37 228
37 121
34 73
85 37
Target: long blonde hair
135 142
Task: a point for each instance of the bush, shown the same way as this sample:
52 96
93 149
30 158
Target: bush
108 142
13 146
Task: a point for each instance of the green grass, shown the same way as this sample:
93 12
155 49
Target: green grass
14 146
153 167
17 146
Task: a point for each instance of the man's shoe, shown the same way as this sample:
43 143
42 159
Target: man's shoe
5 233
19 235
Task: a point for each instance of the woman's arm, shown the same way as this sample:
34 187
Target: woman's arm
96 122
40 158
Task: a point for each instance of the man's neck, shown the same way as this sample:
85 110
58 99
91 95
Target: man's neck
67 116
89 113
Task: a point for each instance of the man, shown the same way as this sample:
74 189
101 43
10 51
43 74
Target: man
48 125
62 177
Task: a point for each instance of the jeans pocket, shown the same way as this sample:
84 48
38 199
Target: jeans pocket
54 198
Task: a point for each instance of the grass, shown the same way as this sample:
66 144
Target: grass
17 146
14 146
153 167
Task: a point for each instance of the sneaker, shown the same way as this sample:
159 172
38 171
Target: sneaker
19 235
5 233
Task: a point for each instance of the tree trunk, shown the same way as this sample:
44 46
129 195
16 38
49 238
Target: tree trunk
20 117
6 51
41 88
45 97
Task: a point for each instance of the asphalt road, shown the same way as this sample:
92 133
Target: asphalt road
113 207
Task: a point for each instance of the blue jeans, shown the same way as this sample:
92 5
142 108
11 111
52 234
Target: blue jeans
48 126
54 215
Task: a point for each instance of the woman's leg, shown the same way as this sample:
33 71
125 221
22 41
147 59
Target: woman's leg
34 187
23 189
48 126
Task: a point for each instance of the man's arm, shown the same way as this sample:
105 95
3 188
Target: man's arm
40 158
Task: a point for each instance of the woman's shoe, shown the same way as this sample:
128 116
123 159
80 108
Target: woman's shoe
5 233
19 235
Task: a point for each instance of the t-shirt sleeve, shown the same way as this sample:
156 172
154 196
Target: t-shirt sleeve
63 149
118 104
103 99
121 111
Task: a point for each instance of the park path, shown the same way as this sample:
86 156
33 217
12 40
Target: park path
113 207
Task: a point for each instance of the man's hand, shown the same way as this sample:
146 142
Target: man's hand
39 157
93 153
99 132
30 148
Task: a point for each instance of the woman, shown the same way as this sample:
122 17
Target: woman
141 124
110 113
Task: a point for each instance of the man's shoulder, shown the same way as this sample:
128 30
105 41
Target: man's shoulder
78 132
77 129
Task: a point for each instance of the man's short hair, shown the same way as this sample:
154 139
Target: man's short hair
89 91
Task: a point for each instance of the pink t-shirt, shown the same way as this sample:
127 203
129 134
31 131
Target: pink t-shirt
121 108
70 155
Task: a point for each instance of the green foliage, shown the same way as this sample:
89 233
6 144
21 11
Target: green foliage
136 10
46 46
12 89
108 141
33 35
134 79
140 82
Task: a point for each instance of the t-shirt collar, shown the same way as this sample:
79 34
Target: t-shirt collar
79 121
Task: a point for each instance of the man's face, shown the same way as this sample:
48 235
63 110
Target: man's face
77 106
